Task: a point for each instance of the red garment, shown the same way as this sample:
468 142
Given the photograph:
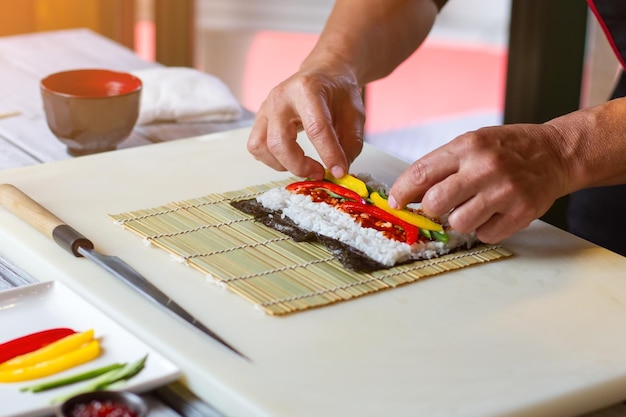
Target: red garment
597 214
611 15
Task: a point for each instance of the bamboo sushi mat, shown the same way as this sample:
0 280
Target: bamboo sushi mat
265 266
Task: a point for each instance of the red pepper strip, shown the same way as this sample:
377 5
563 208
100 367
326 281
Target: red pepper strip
410 230
334 188
31 342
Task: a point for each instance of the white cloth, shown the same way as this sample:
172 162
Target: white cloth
181 94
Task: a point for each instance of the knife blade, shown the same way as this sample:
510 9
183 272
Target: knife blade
29 210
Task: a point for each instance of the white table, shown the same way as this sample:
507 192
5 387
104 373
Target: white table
538 334
25 138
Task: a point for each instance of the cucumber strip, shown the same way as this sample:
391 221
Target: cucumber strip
71 379
440 236
124 373
106 380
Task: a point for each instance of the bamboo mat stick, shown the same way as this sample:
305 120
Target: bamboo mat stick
267 268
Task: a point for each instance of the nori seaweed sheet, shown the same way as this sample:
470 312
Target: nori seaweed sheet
349 257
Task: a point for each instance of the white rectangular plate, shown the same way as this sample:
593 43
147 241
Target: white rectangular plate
36 307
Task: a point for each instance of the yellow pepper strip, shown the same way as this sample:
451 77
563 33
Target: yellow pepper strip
406 215
60 347
350 182
85 353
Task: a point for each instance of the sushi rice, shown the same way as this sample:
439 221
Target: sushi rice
326 220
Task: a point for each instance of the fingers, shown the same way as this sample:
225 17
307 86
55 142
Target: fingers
330 112
491 218
318 124
494 181
282 132
499 227
431 181
351 130
494 212
273 140
257 144
333 118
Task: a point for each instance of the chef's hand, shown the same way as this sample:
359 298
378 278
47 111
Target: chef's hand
327 104
495 180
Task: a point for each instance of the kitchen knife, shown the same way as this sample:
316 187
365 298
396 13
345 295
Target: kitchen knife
78 245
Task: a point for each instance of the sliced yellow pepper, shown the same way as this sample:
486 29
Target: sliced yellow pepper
350 182
406 215
60 347
83 354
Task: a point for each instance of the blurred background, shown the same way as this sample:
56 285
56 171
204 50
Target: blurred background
456 82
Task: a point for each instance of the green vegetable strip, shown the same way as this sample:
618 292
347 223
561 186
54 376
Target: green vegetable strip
125 373
440 236
72 379
107 379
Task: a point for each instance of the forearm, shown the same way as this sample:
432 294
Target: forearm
592 145
372 37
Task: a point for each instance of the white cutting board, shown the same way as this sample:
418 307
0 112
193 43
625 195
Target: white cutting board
539 334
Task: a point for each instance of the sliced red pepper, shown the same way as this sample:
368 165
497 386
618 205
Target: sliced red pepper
325 185
411 232
31 342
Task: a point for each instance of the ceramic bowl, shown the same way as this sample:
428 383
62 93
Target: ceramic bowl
91 110
78 405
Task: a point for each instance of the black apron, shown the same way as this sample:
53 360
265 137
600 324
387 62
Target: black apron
599 214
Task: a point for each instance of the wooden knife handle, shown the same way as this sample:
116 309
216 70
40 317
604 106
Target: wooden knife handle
20 204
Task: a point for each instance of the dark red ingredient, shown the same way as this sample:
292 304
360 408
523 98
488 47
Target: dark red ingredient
377 218
310 187
107 408
31 342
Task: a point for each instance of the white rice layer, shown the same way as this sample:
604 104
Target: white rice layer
326 220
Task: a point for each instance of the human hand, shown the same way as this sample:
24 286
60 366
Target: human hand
327 104
494 180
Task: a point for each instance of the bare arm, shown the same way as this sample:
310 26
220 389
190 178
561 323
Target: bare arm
593 145
497 180
373 37
363 40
